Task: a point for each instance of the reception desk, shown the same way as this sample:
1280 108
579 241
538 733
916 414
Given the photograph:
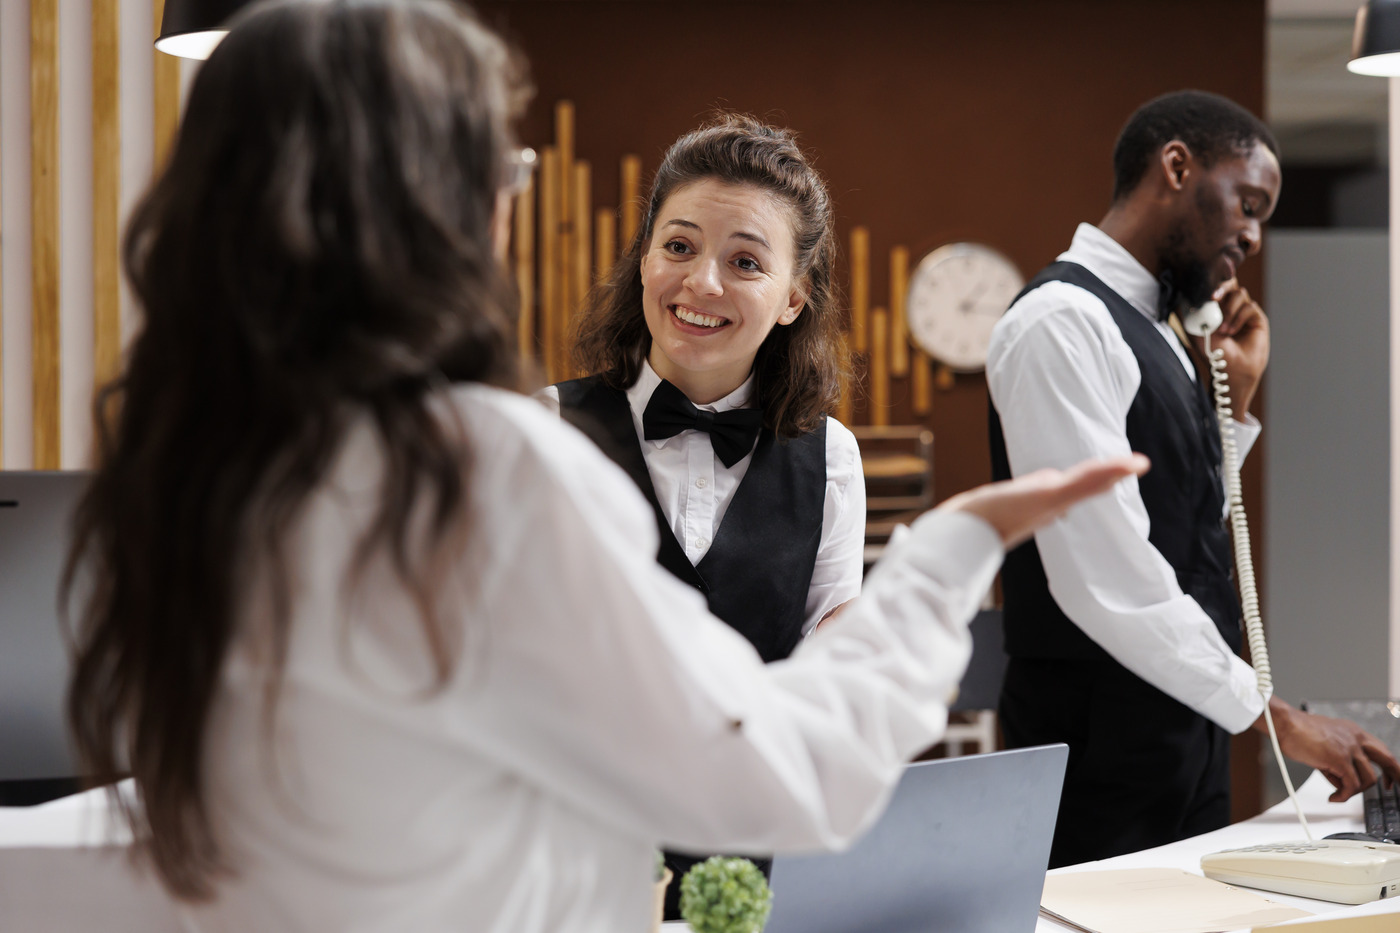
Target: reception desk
1277 824
62 870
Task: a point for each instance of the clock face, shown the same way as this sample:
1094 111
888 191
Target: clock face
956 295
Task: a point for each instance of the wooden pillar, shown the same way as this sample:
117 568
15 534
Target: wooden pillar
630 199
922 391
43 182
605 242
549 259
879 367
167 96
106 191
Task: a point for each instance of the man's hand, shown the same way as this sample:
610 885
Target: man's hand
1339 748
1244 336
1017 507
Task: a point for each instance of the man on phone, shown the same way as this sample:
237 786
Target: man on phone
1122 620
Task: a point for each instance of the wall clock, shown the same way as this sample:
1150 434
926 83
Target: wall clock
956 295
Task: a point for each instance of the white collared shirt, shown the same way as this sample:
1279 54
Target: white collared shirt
694 489
1062 379
594 709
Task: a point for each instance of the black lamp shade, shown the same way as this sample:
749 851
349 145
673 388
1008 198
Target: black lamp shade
191 28
1375 46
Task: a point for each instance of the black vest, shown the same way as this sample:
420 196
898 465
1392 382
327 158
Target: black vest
1171 421
759 567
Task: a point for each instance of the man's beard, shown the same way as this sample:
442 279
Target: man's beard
1188 274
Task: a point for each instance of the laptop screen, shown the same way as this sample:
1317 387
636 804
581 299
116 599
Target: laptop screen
963 846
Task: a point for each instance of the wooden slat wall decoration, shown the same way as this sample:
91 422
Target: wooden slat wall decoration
167 95
549 259
899 322
879 367
43 181
106 190
630 199
860 288
922 391
581 190
564 142
524 241
605 242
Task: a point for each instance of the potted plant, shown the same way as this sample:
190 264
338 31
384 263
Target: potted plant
725 895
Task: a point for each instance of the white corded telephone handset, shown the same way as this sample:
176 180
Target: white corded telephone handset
1346 871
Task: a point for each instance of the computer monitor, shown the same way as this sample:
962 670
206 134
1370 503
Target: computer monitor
36 510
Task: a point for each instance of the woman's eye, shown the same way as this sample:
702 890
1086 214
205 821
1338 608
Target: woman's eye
1249 209
677 247
748 264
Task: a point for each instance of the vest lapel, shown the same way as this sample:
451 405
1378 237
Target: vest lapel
602 413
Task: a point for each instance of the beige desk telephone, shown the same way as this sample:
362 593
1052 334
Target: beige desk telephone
1340 870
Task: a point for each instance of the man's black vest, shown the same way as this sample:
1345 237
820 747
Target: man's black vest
758 569
1171 421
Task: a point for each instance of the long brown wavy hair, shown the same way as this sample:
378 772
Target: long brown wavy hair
318 249
802 368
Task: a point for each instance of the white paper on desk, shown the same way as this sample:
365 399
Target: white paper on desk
1156 900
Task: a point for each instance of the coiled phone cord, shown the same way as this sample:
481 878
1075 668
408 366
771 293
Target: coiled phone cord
1244 561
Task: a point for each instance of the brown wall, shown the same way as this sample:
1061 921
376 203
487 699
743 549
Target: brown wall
932 121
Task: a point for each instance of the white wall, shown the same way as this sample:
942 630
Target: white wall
1327 472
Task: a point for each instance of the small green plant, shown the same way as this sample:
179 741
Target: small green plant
725 895
660 870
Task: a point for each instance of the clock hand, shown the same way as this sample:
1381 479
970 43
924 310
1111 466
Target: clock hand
968 303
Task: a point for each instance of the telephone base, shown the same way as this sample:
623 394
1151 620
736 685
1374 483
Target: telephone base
1338 870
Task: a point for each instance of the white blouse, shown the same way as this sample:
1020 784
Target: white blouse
594 710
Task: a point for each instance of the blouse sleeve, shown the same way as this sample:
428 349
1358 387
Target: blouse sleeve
605 681
840 564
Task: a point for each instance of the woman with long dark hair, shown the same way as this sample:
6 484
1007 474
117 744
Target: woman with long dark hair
383 645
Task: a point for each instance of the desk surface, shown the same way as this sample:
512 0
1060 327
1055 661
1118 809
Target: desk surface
1277 824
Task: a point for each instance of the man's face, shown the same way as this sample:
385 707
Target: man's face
1224 208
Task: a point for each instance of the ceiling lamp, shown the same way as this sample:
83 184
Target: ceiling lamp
1375 46
192 28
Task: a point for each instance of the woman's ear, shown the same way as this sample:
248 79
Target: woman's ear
797 301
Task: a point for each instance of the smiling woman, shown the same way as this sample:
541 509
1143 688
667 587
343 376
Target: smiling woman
716 353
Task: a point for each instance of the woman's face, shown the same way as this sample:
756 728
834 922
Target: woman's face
716 278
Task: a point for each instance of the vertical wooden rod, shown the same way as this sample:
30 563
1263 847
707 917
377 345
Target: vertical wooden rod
564 140
879 367
43 181
167 96
860 288
581 188
106 190
549 259
525 269
605 242
630 200
899 321
923 383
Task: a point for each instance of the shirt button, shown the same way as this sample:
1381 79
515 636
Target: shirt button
701 483
701 542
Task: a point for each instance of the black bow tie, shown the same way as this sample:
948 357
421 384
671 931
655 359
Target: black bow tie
732 433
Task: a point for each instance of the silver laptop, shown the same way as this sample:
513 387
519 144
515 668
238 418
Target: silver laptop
35 529
962 847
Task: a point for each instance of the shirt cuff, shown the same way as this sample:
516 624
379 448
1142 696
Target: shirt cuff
1237 704
1246 433
959 550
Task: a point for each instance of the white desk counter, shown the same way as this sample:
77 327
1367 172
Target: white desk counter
1277 824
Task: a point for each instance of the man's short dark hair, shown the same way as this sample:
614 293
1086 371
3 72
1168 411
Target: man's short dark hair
1212 126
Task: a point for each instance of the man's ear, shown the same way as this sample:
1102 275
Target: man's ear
1177 163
